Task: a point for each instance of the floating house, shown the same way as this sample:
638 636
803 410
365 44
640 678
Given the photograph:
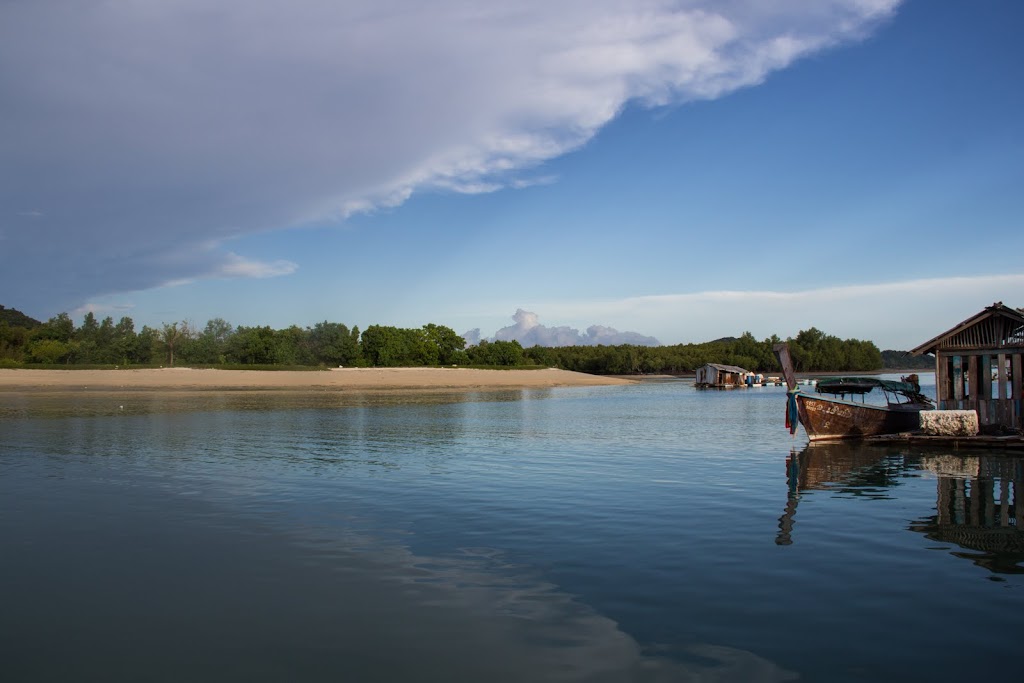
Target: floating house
720 376
978 367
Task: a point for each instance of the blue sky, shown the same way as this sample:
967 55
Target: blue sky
681 170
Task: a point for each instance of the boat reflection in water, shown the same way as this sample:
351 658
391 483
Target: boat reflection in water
976 509
847 467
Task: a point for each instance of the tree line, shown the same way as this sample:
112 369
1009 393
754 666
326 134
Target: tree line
811 350
59 341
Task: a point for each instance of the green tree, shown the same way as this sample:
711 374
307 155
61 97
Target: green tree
170 335
104 340
541 355
253 346
85 340
147 345
291 347
89 326
124 342
210 346
445 340
497 353
13 340
49 351
388 346
333 344
60 328
382 345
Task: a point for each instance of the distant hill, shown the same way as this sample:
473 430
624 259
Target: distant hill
902 360
15 318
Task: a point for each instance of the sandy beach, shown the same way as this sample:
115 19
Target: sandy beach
362 379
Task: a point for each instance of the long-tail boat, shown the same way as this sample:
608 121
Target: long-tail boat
833 416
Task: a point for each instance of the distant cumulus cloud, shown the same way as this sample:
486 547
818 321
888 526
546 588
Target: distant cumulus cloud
145 135
472 337
529 332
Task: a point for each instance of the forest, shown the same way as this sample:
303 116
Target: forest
59 342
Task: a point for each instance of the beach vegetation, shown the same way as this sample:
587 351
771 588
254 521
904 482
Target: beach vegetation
386 346
333 344
902 360
60 328
169 335
49 351
104 343
812 351
498 353
13 340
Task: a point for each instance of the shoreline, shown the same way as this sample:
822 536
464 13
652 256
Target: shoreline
339 379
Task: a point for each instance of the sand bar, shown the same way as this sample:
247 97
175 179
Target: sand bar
363 379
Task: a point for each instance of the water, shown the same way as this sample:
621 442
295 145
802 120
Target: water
639 533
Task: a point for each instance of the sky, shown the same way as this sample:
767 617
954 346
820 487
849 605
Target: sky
594 171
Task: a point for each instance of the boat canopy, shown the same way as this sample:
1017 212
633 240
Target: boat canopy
862 385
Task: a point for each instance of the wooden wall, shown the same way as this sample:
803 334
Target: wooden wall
964 381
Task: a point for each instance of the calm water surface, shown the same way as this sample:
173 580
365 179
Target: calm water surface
639 533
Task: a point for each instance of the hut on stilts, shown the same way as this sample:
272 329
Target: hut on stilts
978 367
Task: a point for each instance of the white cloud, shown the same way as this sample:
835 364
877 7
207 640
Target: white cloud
116 311
158 129
238 266
528 331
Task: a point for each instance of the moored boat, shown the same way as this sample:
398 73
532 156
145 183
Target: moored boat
829 417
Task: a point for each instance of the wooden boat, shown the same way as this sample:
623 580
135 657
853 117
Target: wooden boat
827 417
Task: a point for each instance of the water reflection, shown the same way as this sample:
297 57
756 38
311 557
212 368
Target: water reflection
214 588
598 534
977 509
976 496
497 621
112 402
851 469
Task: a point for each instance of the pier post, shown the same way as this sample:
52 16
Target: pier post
958 381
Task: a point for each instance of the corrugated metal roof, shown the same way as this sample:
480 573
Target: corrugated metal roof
727 368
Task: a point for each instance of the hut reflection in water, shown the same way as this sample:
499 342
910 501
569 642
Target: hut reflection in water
977 507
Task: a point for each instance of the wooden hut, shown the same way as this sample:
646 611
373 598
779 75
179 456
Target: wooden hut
722 376
978 366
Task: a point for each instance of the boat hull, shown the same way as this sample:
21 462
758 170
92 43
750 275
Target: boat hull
826 419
